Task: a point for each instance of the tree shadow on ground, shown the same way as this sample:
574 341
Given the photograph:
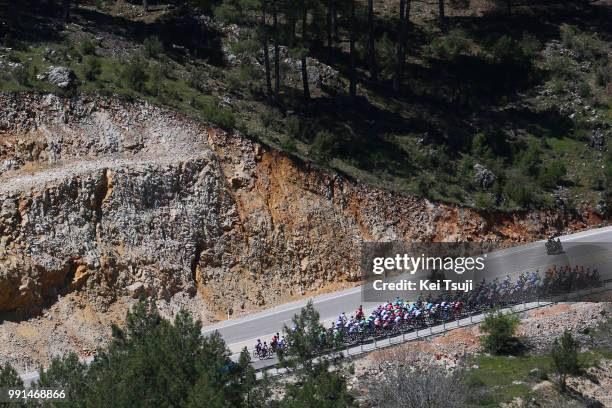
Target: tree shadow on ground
30 20
183 36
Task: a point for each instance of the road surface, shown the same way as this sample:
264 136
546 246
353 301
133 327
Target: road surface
245 331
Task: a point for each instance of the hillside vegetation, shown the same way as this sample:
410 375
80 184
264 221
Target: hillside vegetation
491 104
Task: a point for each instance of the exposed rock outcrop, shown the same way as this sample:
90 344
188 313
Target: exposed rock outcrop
61 77
123 197
483 177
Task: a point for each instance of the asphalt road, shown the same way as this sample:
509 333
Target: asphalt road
371 345
593 247
584 248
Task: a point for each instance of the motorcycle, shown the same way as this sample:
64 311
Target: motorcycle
554 246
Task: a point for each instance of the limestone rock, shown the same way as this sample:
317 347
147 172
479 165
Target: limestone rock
113 192
483 177
597 140
62 77
136 289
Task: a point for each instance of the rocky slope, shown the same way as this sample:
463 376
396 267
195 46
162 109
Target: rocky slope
104 197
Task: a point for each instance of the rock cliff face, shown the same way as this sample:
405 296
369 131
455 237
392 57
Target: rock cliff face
104 196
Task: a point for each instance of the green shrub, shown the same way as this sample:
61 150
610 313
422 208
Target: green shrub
518 192
227 13
465 170
586 45
565 358
558 86
157 79
234 83
530 160
584 89
134 75
249 72
9 377
603 75
386 56
9 41
221 117
153 47
503 50
21 74
197 79
293 126
422 186
87 47
249 46
450 46
288 144
324 146
484 200
268 118
480 145
74 53
245 78
568 35
552 175
92 68
500 331
561 67
529 46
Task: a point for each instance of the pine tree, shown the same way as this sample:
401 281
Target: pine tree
276 34
500 331
317 384
328 22
9 377
353 68
565 358
155 362
371 42
67 7
304 49
263 34
66 373
403 19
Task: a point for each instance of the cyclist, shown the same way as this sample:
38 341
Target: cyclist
274 342
359 313
258 347
339 322
282 343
